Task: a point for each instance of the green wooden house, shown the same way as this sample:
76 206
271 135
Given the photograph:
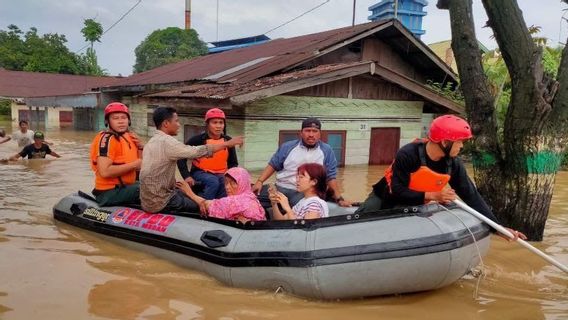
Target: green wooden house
367 84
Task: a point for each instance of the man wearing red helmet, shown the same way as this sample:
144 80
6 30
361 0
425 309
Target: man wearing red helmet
422 170
115 159
209 172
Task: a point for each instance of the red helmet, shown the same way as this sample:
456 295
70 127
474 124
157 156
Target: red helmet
214 113
450 128
116 107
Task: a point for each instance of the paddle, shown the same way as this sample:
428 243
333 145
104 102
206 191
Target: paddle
506 232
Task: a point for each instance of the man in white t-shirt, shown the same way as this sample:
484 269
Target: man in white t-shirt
24 136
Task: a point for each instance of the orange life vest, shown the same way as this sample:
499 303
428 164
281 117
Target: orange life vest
215 164
424 179
120 149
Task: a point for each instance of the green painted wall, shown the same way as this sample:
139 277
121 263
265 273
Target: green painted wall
265 118
260 123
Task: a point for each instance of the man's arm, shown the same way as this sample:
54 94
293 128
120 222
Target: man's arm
334 186
107 170
15 157
197 140
467 191
5 139
405 163
54 154
330 163
266 173
177 150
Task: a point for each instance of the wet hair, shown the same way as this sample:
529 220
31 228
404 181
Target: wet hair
162 114
23 121
316 172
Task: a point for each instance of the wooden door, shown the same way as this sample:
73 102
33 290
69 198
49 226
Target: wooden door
336 139
65 119
384 145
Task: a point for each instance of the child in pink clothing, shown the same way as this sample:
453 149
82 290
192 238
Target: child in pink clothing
239 204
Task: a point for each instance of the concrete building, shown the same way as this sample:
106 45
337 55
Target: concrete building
49 100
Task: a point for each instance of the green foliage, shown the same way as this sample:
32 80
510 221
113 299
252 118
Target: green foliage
551 60
448 90
167 46
92 31
91 64
500 81
5 107
38 53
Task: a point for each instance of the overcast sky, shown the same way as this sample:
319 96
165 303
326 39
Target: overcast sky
237 18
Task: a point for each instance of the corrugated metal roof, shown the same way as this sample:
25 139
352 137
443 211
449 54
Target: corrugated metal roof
21 84
224 91
251 63
284 53
240 92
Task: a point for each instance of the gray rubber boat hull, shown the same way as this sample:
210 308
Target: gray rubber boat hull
344 256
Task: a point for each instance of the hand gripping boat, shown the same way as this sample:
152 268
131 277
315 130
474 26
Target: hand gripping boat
344 256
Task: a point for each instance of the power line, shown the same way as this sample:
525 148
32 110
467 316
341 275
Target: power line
303 14
114 24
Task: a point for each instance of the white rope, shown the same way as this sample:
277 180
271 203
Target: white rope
279 289
481 263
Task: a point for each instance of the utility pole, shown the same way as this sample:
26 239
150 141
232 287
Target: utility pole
354 4
396 9
217 20
187 14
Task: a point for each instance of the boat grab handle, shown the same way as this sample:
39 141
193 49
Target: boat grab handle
215 238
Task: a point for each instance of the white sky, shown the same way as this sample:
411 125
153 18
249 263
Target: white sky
237 18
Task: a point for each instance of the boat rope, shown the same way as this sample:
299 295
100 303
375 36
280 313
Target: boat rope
279 289
482 273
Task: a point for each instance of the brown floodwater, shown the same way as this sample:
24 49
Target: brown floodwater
50 270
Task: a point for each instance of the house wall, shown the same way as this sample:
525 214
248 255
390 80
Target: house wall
362 87
265 118
377 50
51 116
261 122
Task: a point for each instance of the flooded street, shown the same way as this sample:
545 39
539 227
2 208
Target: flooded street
50 270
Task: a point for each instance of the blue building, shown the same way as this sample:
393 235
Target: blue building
408 12
225 45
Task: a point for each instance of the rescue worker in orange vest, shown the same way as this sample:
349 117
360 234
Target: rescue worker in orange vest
423 169
209 172
115 159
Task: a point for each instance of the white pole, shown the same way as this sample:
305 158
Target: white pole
396 9
506 232
217 38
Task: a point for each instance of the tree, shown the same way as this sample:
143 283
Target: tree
12 49
92 31
167 46
516 174
33 52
